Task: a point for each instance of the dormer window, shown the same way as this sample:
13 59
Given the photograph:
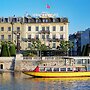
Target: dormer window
6 19
54 20
18 20
37 20
29 20
2 20
44 20
14 19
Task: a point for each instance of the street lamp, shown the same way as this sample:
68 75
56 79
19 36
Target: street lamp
17 33
12 23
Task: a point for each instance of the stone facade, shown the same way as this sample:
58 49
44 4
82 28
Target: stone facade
48 29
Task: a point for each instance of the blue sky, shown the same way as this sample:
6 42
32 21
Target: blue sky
77 11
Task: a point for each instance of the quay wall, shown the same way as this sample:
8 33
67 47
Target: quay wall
20 63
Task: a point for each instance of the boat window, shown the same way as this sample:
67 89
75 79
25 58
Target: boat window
42 69
69 69
79 61
88 61
56 69
49 69
84 61
63 69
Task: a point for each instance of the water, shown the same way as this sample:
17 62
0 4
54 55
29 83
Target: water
19 81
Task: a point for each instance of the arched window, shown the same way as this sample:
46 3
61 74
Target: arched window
1 66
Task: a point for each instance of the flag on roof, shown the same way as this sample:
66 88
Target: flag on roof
48 6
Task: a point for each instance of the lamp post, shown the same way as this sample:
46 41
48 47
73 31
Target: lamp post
17 33
12 23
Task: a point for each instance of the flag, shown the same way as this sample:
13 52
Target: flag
47 6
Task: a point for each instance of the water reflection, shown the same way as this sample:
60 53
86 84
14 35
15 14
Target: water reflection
19 81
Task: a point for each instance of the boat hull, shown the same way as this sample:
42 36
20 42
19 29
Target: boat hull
57 74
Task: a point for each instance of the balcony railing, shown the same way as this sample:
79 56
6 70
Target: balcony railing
53 39
44 32
29 39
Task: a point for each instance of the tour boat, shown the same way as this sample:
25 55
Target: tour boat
57 74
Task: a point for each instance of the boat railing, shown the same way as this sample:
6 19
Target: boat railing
31 58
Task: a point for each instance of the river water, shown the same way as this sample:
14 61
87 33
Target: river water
19 81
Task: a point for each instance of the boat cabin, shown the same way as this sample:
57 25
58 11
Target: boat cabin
64 68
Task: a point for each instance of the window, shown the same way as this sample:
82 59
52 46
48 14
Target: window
56 69
29 45
54 28
44 20
84 61
43 36
61 36
37 36
1 66
61 28
63 69
29 36
37 28
47 28
29 28
47 36
37 20
54 20
9 37
9 28
18 29
2 37
54 45
43 28
79 61
2 28
54 36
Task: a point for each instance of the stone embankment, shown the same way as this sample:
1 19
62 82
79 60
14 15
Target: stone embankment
20 63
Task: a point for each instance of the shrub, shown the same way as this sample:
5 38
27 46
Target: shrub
12 50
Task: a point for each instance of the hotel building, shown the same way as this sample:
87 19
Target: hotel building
50 30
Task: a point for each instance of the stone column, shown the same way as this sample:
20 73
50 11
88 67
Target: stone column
18 61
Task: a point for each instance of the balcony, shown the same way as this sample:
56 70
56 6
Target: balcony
53 39
44 32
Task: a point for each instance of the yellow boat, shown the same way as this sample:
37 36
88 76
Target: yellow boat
59 74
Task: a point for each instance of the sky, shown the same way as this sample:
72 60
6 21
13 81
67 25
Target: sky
77 11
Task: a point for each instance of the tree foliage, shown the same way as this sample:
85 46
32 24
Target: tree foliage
65 46
12 50
37 45
7 49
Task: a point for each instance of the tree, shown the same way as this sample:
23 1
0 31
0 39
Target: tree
37 45
12 50
5 50
65 46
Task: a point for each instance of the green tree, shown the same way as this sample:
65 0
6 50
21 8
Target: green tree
65 46
37 45
5 50
12 50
